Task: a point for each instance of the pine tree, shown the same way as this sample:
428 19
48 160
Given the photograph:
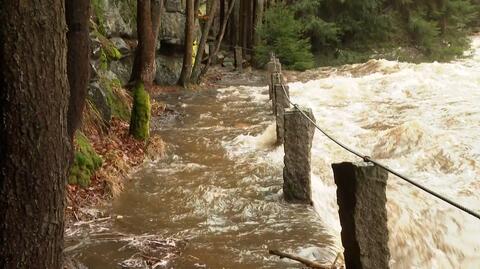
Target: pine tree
282 34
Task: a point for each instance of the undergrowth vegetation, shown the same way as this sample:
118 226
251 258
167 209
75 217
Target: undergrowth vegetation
340 32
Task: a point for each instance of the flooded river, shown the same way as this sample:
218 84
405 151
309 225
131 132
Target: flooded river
218 194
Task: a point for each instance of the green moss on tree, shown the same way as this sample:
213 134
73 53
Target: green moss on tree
140 116
86 162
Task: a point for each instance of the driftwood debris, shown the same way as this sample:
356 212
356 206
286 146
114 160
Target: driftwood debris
304 261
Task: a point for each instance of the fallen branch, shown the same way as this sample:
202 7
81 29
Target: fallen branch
306 262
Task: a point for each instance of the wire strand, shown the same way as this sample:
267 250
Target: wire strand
377 163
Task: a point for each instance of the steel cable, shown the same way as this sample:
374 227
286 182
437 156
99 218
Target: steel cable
368 159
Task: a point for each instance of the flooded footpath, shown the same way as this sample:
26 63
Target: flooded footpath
218 196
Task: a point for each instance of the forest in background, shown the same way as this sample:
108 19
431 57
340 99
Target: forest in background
342 31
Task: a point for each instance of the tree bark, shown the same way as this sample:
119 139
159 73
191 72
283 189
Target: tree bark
77 13
144 64
34 143
144 72
235 29
188 49
156 13
203 41
220 38
258 18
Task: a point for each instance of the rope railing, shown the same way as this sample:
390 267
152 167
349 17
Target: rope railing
367 158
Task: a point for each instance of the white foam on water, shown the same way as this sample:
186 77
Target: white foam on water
420 119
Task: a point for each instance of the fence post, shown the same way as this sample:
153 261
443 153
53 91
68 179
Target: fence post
275 79
299 133
270 72
280 102
238 59
361 197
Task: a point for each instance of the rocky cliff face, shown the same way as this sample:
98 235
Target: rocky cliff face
116 23
113 42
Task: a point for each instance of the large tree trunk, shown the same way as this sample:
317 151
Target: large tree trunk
156 13
77 13
34 143
143 72
144 64
218 43
258 18
203 40
188 46
236 25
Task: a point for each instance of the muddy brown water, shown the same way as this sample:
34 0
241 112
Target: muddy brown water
226 210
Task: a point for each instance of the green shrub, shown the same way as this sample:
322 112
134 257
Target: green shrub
281 33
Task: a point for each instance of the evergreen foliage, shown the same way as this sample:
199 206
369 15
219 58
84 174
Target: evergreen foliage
347 31
282 34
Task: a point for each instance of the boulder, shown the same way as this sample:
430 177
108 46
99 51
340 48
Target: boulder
116 17
99 99
122 69
172 29
228 62
168 69
121 45
174 6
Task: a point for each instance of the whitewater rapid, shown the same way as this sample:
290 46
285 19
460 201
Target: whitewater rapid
421 120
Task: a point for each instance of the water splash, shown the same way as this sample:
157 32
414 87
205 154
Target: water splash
420 119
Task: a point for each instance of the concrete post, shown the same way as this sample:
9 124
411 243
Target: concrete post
299 133
275 79
361 197
278 65
238 59
280 103
269 78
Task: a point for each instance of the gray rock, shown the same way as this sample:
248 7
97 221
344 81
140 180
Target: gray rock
298 144
122 69
228 62
121 45
95 47
172 29
99 99
115 25
174 6
168 69
361 198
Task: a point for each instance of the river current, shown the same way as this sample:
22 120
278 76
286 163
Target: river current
218 195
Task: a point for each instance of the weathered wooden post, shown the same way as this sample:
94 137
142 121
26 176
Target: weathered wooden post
280 99
238 59
299 133
361 197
